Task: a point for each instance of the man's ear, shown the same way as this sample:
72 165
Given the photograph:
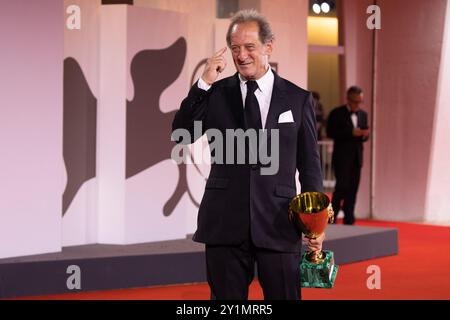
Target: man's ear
269 47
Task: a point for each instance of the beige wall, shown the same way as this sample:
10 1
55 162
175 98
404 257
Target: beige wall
326 82
408 59
323 73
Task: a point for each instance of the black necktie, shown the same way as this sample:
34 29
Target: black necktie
252 120
252 112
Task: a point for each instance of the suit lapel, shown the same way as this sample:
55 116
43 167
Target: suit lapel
233 91
347 115
278 103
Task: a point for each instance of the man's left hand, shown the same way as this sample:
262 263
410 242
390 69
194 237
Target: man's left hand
314 244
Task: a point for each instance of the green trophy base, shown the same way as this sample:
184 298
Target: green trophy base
320 275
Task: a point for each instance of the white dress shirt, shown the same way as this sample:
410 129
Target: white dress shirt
263 93
354 118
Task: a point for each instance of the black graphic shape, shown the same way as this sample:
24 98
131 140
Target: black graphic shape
79 130
149 129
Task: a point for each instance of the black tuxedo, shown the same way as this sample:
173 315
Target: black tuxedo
347 158
241 207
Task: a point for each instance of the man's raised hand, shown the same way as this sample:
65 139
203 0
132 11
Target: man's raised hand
214 65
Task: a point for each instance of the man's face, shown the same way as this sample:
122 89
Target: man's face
354 100
250 56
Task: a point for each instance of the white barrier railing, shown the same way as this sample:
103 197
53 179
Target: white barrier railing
326 151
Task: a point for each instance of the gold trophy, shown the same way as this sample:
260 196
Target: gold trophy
310 213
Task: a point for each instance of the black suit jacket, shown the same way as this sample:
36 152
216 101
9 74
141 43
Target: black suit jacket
346 147
237 198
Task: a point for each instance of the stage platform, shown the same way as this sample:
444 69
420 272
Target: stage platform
106 267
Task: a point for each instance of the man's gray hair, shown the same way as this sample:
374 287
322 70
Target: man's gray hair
244 16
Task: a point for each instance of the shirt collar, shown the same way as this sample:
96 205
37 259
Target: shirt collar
265 83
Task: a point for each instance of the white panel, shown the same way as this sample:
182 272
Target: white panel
31 164
79 224
437 206
111 125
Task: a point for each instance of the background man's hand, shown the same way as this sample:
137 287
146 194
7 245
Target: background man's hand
365 132
214 66
314 244
357 132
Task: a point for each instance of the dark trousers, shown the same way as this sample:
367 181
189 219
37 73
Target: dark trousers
230 270
347 183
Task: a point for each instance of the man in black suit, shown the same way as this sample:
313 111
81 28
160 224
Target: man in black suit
347 126
243 216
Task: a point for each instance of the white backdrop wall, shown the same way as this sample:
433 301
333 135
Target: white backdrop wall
81 77
31 163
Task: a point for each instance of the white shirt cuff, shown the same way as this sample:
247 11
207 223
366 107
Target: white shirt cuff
203 85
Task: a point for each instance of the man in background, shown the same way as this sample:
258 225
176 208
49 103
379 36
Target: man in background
348 127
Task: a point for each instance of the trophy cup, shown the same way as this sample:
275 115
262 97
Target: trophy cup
310 212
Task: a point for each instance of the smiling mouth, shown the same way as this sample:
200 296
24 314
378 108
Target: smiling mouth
245 64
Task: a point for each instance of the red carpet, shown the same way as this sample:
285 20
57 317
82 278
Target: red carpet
421 270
